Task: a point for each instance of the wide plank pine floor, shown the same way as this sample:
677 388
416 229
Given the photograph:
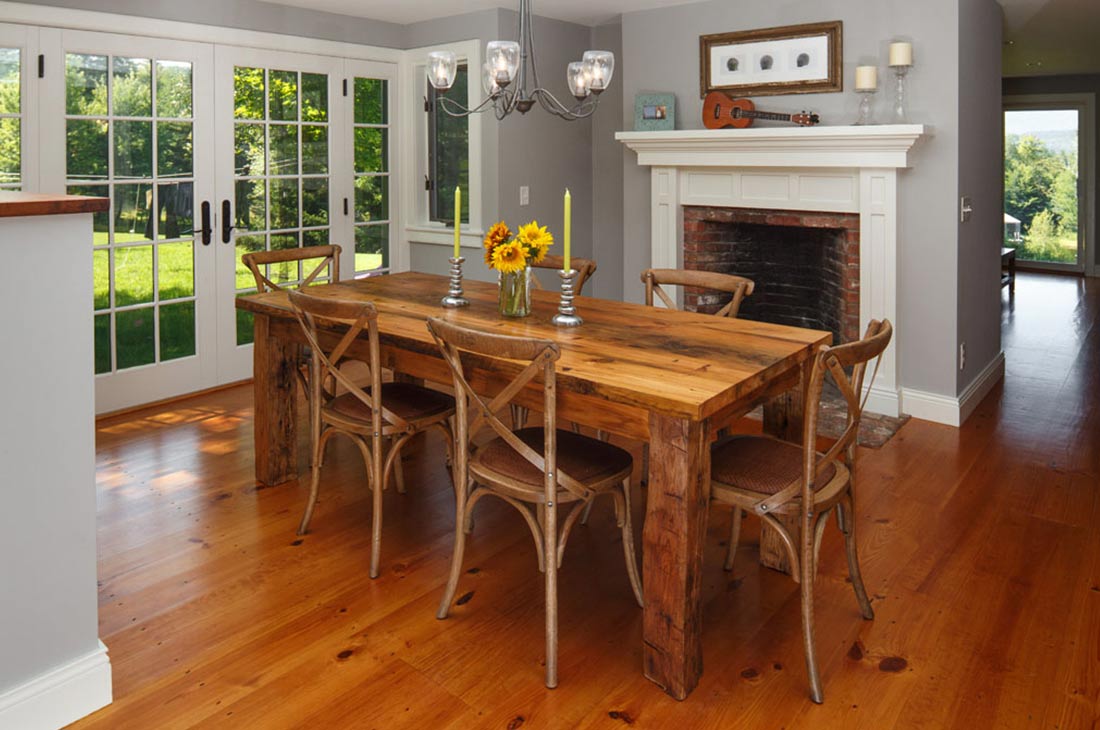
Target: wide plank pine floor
980 547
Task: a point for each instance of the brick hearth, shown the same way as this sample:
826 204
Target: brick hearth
805 264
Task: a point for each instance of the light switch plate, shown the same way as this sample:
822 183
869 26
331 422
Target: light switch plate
965 209
524 195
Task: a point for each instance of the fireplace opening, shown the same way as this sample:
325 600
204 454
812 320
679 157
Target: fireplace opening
805 265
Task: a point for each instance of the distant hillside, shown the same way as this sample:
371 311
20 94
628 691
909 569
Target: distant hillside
1058 140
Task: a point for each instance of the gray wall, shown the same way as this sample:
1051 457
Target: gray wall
661 53
981 176
252 15
1072 84
608 156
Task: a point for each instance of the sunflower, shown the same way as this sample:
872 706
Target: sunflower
535 239
509 258
498 234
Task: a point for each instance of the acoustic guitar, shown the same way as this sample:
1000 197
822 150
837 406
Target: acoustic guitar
721 111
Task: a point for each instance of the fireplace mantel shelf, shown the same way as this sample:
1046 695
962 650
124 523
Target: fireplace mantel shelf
879 145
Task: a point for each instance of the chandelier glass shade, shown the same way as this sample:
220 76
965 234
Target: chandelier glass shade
510 78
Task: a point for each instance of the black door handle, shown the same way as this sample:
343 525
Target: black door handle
227 217
206 230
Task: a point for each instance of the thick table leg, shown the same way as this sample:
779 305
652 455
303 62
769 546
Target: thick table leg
276 406
783 418
675 529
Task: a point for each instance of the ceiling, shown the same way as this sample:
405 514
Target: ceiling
586 12
1045 37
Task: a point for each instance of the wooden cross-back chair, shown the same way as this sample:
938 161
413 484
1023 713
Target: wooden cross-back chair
383 414
585 269
767 476
738 286
534 469
259 263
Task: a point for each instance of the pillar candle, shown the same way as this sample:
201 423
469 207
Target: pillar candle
458 218
901 54
568 224
866 78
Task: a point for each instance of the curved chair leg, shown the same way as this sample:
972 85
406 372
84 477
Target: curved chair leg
735 536
519 416
456 556
318 453
627 524
807 586
847 517
376 527
587 511
398 473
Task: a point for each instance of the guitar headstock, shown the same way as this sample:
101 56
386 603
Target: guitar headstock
805 119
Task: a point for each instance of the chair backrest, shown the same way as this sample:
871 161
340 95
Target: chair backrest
846 366
327 320
585 268
258 262
738 286
473 411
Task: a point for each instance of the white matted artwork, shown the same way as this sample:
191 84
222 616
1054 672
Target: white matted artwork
789 60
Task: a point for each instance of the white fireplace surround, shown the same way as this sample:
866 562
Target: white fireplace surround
828 169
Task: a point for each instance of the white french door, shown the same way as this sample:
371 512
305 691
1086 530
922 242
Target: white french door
278 175
207 152
131 119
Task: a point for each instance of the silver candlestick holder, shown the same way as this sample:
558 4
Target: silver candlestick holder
454 298
866 96
567 314
899 94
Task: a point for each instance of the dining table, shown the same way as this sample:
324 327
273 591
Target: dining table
668 378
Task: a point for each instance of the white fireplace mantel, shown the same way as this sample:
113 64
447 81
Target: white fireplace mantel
828 169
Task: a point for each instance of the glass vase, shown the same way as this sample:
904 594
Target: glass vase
515 293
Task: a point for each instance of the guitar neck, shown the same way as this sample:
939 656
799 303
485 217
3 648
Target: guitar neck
773 116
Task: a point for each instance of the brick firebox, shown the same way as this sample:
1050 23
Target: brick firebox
805 264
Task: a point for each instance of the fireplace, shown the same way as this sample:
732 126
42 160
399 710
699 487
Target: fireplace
805 175
805 264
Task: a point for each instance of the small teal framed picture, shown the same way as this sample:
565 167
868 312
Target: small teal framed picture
654 112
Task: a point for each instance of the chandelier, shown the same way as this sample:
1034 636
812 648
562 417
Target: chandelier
508 69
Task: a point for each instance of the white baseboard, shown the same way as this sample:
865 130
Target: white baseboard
980 386
60 696
954 411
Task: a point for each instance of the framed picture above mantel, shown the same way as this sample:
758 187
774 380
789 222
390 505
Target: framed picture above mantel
793 59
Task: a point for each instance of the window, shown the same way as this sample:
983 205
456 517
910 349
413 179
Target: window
371 122
448 152
10 120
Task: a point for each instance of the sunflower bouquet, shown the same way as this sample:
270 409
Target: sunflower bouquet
511 255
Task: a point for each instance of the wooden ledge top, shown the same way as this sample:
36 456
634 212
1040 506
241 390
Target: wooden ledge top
26 204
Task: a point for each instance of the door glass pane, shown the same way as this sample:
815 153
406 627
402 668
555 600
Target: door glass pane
11 127
1041 186
129 131
448 154
173 90
282 197
371 160
133 87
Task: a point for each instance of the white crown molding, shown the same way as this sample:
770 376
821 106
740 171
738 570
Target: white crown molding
881 145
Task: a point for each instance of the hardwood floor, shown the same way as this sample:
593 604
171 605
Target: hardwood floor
979 546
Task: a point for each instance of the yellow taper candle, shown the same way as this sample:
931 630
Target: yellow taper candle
568 219
458 217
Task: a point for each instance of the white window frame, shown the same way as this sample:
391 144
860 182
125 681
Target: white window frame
26 40
414 154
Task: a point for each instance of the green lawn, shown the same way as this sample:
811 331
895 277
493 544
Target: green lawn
1062 249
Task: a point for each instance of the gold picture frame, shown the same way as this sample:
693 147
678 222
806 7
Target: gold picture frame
792 59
